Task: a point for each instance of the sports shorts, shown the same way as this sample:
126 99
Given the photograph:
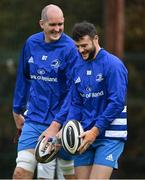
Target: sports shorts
29 138
102 152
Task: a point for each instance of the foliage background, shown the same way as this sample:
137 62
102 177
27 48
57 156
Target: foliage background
19 19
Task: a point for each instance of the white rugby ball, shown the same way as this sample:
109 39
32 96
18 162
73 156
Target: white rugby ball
42 156
70 136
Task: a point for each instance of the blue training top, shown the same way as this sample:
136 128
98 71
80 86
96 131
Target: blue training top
99 95
43 78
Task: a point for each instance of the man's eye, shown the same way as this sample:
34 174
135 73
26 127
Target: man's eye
52 24
59 24
84 45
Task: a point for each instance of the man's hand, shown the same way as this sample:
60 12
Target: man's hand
51 133
88 138
19 120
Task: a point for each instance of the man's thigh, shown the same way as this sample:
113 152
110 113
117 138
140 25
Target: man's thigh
100 172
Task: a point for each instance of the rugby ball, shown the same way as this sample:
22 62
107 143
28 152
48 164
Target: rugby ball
70 136
43 156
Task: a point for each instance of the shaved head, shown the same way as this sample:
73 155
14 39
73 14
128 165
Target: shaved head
52 22
51 11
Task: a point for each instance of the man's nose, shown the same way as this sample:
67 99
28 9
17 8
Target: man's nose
81 49
57 28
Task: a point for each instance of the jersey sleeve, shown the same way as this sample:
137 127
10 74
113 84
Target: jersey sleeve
116 83
71 107
75 110
60 117
22 82
72 60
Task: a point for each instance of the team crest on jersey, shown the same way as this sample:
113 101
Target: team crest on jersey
99 77
55 63
41 71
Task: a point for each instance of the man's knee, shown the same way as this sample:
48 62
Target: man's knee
20 173
26 165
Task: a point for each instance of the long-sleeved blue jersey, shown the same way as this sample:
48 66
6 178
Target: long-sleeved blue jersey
43 78
99 95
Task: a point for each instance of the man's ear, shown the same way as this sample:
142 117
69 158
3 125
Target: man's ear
41 23
96 37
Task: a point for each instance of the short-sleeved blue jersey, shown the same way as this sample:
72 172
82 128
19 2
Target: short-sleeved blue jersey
43 77
99 95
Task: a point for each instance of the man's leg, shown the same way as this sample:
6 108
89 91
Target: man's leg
65 167
106 158
82 172
26 164
20 173
93 172
100 172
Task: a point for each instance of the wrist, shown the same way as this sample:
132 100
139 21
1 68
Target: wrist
95 130
55 125
15 114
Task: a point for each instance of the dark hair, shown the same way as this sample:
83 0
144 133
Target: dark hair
82 29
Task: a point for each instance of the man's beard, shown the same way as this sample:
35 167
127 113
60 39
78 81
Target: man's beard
91 54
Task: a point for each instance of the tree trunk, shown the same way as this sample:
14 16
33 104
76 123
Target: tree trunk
114 26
